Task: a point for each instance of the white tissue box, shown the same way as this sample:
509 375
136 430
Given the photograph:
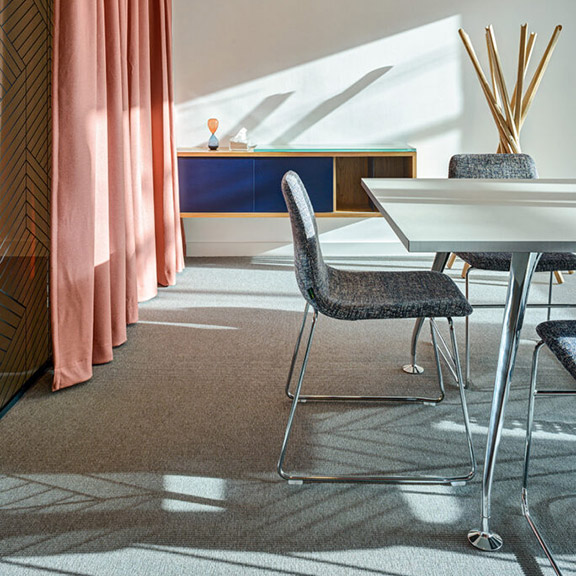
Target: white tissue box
240 146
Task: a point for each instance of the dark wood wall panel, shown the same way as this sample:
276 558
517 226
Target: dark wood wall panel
25 158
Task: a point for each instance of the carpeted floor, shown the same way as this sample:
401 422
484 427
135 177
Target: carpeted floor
164 463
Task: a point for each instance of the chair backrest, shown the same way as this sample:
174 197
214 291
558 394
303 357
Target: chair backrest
492 166
311 270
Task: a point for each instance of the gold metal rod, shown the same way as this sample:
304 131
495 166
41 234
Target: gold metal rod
529 51
520 78
537 78
501 83
492 72
505 134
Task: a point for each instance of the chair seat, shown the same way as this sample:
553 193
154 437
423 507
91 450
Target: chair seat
560 337
378 295
500 261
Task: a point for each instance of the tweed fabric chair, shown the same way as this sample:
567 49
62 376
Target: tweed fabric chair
559 336
347 295
502 166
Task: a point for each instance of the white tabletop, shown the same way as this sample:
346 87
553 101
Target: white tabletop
461 215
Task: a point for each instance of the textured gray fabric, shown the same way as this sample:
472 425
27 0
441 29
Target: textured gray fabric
503 166
500 261
492 166
361 295
560 337
311 271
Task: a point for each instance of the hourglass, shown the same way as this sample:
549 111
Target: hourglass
213 141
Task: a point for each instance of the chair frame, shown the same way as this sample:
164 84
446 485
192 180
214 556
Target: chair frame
535 393
297 397
549 306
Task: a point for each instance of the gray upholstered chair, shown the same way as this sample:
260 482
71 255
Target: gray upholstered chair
520 166
367 295
560 337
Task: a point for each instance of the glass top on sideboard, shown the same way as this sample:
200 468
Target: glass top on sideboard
392 147
303 148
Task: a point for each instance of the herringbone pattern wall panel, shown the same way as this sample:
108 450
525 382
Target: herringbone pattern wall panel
25 159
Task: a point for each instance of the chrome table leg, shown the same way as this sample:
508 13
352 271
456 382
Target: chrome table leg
521 269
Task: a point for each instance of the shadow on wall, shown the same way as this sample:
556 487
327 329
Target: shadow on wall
330 105
232 44
257 115
269 105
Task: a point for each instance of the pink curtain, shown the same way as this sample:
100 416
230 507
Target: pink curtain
114 215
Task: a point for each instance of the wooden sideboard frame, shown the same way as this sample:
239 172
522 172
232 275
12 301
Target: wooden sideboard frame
349 166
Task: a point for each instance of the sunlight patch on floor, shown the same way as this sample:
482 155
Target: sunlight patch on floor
193 494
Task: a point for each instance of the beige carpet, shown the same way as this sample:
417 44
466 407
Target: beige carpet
164 463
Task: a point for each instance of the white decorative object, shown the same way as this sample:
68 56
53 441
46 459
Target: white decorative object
240 141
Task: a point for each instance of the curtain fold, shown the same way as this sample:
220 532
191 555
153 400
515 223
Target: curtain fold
114 213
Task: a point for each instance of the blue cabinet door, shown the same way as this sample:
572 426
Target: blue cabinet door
216 184
316 174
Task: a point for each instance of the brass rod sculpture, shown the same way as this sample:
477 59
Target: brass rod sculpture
509 112
504 130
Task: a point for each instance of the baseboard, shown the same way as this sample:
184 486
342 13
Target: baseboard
216 249
273 236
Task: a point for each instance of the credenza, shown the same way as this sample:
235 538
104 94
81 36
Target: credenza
247 183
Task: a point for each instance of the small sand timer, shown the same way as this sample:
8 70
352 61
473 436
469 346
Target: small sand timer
213 141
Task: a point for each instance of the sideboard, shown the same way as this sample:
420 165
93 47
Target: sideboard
247 183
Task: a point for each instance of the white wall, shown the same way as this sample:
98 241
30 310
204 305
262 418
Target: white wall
362 72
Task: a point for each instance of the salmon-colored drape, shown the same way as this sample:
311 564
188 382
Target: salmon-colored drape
114 215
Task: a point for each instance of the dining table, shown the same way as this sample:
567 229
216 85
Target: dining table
521 217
